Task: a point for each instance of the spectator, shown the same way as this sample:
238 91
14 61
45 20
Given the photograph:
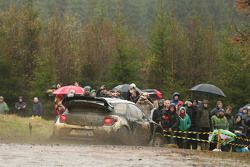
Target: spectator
238 122
101 92
246 123
219 105
230 118
170 122
58 85
4 109
176 99
37 108
133 95
76 84
191 111
59 107
117 94
157 113
184 125
179 105
93 93
203 123
145 104
196 104
109 93
243 113
167 104
219 121
20 106
240 135
87 90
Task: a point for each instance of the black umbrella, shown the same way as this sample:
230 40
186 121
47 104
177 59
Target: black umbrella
124 89
208 89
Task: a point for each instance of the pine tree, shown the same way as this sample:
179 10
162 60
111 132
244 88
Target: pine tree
21 28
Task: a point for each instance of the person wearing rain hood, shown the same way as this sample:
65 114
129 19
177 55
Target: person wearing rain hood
176 99
184 125
170 122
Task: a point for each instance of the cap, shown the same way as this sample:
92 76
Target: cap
132 86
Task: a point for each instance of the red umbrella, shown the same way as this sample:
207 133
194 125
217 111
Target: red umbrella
69 89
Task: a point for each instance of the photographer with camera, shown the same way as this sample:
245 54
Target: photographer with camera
145 104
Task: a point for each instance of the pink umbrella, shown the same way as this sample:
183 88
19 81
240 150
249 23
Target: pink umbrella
69 89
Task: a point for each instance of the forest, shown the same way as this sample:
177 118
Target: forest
169 45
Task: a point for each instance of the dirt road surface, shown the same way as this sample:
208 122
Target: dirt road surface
33 155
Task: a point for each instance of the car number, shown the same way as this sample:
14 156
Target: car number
82 133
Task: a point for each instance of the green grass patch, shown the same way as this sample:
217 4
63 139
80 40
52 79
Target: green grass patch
14 128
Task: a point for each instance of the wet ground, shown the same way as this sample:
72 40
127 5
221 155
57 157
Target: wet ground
106 155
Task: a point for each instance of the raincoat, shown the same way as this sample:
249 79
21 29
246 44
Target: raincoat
219 123
185 122
4 108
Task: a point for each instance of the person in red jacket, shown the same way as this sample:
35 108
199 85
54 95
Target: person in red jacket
59 107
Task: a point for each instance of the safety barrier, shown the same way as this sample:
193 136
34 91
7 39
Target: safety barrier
207 133
207 141
189 132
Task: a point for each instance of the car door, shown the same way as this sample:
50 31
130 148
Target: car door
140 126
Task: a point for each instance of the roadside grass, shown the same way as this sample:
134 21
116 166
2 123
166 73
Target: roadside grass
15 128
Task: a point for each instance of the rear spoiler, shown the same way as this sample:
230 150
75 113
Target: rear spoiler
67 100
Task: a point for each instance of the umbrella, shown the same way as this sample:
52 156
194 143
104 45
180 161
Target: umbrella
69 89
208 88
124 89
225 135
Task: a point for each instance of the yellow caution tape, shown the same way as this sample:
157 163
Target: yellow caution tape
241 138
201 140
189 132
193 132
188 138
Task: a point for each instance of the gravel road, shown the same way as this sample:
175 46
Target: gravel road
34 155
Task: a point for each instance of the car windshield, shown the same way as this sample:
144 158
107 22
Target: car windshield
84 106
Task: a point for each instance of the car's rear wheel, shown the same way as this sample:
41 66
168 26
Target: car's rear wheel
158 140
123 135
